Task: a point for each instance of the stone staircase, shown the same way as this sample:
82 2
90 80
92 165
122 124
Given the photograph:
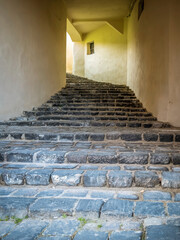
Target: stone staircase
91 152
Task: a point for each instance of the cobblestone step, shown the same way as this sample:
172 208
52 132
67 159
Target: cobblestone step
105 204
76 175
74 228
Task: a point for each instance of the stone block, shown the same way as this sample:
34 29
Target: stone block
146 179
165 137
149 209
38 177
20 156
52 207
102 157
177 197
94 178
6 227
91 235
133 158
150 137
160 158
157 195
14 176
66 177
163 232
128 195
29 229
63 228
126 235
174 209
50 193
131 137
102 194
176 159
15 206
26 192
50 156
120 179
170 180
77 157
97 137
117 208
4 191
89 207
82 136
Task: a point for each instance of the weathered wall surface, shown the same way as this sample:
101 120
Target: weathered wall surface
78 59
148 56
32 53
109 62
174 68
69 54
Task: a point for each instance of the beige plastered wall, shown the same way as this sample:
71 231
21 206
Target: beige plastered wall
69 54
109 62
78 59
153 57
32 53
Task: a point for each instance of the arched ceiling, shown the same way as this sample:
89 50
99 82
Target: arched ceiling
88 15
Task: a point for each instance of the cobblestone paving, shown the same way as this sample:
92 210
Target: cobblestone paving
89 164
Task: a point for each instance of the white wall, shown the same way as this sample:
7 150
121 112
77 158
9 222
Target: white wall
69 54
78 59
32 53
109 62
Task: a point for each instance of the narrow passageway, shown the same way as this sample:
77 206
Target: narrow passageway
94 155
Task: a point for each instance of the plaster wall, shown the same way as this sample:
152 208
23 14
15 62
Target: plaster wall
109 62
174 60
32 53
78 59
148 56
69 54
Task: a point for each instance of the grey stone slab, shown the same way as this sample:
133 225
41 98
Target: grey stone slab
134 168
111 168
55 238
117 208
128 225
131 137
97 137
120 179
149 209
91 235
89 207
13 176
63 228
26 192
163 232
157 196
20 156
94 178
66 177
27 230
176 169
102 157
38 177
126 235
50 156
52 207
61 166
102 194
127 195
155 168
15 206
75 193
174 209
77 157
160 158
15 165
133 158
50 193
146 179
6 191
6 227
173 221
176 159
177 197
88 167
170 180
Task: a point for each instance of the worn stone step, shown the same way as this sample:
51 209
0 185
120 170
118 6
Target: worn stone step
85 176
59 202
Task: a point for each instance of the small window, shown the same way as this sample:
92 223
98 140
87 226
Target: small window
90 48
140 8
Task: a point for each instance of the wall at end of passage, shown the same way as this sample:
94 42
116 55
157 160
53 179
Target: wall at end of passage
32 53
